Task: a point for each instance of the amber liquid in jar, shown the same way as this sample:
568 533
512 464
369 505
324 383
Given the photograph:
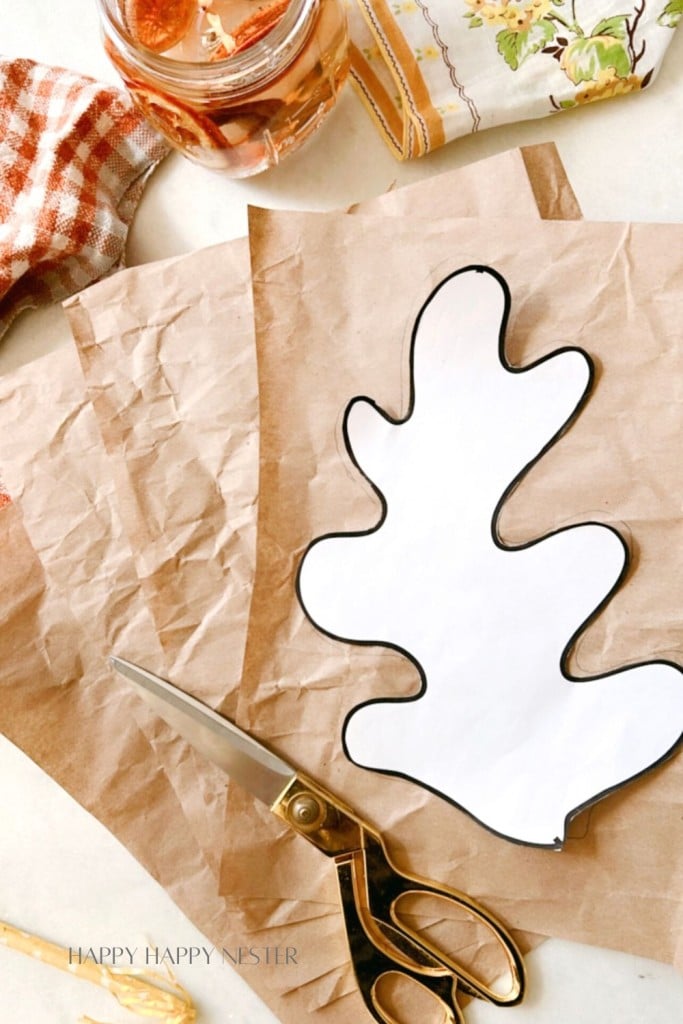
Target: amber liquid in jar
246 83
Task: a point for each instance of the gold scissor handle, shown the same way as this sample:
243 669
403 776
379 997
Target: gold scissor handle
371 888
378 950
383 886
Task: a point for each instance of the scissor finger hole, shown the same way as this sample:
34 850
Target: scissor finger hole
456 933
401 1000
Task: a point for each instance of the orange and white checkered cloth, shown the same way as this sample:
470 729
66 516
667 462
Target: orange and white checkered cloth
74 158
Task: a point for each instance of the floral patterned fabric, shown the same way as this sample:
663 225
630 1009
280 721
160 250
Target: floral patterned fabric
432 71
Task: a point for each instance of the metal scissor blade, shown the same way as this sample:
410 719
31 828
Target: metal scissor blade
243 758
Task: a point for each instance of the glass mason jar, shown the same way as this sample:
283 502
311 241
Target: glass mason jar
238 85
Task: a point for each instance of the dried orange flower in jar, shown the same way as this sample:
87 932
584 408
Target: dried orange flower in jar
159 24
235 85
250 31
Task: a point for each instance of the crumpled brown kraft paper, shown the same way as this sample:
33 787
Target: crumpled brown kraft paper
70 595
329 327
147 786
201 304
154 343
178 410
182 429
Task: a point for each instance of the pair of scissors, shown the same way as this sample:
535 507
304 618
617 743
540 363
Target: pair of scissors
370 887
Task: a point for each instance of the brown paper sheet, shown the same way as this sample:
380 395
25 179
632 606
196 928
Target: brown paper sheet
182 429
610 288
169 313
178 411
69 595
157 343
517 183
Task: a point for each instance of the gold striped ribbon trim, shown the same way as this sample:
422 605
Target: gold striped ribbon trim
422 124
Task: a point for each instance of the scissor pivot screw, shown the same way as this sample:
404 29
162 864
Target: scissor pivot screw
306 811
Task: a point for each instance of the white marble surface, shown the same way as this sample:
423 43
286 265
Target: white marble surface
62 874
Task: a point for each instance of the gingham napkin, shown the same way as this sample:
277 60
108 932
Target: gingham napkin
74 157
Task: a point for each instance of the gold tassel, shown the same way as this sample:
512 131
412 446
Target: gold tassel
146 993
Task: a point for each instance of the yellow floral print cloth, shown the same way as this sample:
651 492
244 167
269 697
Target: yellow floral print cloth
433 70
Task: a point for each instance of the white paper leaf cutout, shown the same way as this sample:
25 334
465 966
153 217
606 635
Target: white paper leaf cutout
498 728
